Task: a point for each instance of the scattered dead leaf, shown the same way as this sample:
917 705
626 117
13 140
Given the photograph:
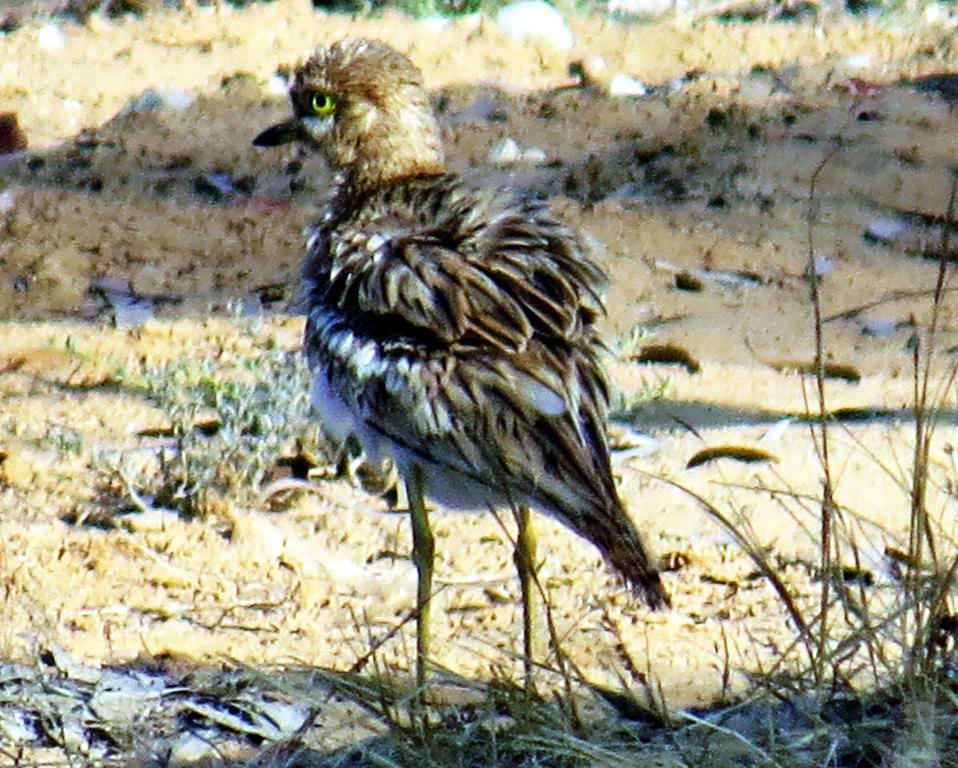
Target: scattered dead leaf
743 453
842 371
668 354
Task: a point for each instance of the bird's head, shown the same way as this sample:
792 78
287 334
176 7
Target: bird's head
364 106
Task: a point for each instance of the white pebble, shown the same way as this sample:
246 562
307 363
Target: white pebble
824 266
506 152
879 327
534 155
856 61
596 64
129 311
775 432
885 230
640 7
151 100
222 182
626 85
627 191
287 718
277 84
535 18
8 201
154 520
51 37
176 98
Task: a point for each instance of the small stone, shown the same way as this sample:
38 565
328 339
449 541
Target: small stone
856 61
595 65
152 100
626 85
627 191
627 442
176 98
506 152
776 431
218 185
535 18
148 101
937 13
155 520
640 7
534 156
879 327
885 230
129 309
50 37
823 266
288 718
69 733
277 85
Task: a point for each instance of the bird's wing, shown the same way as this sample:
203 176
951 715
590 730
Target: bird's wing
538 426
500 379
517 276
426 290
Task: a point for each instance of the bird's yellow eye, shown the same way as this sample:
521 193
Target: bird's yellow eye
323 104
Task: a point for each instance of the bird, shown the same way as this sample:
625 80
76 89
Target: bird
452 329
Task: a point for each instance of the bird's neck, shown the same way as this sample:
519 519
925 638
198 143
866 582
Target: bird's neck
397 143
390 168
351 193
359 180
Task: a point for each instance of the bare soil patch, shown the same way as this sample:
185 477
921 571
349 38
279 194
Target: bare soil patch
142 230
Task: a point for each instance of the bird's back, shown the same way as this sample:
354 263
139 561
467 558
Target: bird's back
454 330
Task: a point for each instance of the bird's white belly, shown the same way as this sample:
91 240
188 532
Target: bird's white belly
444 486
335 417
338 420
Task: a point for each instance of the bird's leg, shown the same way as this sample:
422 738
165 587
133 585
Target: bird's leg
525 559
423 550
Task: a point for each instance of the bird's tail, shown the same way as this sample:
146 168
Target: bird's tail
621 544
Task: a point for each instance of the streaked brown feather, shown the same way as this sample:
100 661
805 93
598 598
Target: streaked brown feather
457 326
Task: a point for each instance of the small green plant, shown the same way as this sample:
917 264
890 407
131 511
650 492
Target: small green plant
626 405
65 440
230 420
631 342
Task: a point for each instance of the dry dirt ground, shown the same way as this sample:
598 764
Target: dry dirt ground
141 229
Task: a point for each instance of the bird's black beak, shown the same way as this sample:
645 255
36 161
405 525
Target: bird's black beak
281 133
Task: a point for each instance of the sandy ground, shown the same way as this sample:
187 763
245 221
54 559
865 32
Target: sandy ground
140 183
